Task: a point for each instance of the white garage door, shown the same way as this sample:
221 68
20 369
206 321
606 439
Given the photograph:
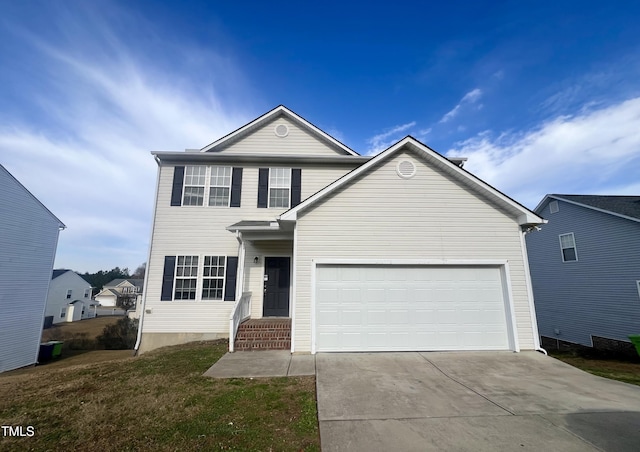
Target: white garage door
404 308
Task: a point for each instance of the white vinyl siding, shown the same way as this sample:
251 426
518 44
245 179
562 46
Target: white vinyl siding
297 142
568 247
28 240
207 227
57 295
430 216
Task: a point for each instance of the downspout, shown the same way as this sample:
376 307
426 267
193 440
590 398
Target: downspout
532 307
146 273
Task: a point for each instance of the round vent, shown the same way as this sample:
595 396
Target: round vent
406 169
281 130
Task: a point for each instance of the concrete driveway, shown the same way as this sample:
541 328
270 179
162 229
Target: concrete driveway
470 401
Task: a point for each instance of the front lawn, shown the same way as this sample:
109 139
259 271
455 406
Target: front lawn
627 372
159 401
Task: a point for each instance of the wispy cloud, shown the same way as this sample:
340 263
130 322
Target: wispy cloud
105 104
470 98
599 146
385 139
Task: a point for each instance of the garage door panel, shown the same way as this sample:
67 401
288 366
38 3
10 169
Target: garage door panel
360 308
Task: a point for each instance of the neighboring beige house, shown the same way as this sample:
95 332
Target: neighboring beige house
109 294
69 298
279 221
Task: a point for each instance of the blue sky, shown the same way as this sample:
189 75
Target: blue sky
542 97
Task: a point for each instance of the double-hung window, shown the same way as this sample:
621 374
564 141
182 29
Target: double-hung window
87 292
195 178
568 247
220 186
69 292
186 278
279 187
213 277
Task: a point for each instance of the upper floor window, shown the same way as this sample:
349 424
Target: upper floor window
568 247
69 292
279 187
210 185
220 186
87 292
194 183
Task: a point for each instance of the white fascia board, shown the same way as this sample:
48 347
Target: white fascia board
280 109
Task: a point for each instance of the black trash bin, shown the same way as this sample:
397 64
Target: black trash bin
46 352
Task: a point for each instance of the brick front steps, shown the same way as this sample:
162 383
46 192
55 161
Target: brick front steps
263 334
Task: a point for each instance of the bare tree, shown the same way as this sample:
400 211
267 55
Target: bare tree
140 271
126 300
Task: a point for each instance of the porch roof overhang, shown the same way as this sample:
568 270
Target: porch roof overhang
262 230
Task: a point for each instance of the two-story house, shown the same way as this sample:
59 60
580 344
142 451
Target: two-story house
585 268
278 220
116 288
69 297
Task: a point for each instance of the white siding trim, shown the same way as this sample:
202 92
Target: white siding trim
504 270
512 326
294 279
529 285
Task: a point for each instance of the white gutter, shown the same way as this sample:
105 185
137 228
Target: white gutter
532 307
146 273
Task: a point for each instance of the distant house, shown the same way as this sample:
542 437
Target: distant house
585 270
69 297
109 294
28 241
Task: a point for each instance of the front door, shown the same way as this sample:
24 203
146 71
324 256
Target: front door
276 286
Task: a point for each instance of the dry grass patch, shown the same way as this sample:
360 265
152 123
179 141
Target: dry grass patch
159 401
627 372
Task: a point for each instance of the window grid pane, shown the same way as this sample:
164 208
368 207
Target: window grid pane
279 197
194 184
186 278
213 280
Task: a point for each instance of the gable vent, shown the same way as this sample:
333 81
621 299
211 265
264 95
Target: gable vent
553 207
281 130
406 169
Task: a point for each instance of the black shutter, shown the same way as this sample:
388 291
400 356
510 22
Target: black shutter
263 187
167 278
236 187
296 186
176 191
230 279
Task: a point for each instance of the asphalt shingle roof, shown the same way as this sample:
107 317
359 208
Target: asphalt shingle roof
622 205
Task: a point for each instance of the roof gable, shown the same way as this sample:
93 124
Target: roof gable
627 207
523 215
285 125
36 200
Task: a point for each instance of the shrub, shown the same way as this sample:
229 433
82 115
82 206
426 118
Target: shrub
119 336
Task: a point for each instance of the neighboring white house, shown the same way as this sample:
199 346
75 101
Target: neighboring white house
28 241
402 251
69 297
109 294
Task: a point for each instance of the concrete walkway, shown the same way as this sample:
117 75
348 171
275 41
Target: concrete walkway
470 401
268 363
